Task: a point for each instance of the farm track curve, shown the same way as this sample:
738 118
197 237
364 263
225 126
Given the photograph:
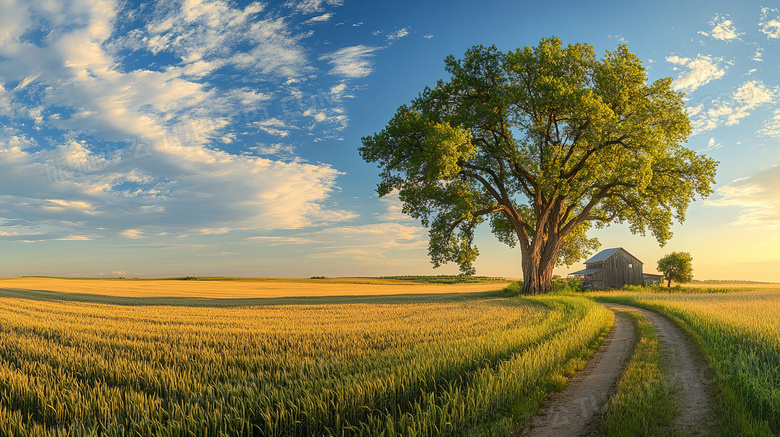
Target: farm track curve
572 411
687 373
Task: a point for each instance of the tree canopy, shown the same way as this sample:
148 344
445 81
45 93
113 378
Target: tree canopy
677 267
543 143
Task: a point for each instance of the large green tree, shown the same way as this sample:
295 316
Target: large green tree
543 142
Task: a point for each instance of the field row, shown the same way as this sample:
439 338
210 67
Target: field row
473 363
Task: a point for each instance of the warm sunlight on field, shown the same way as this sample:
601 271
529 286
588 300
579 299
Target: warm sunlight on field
82 357
239 289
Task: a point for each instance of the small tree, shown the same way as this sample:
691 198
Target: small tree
677 267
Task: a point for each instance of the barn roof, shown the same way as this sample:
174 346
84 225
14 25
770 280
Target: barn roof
589 271
606 253
603 255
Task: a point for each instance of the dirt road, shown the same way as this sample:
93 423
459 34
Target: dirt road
572 411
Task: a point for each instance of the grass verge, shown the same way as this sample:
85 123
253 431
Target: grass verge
737 334
642 403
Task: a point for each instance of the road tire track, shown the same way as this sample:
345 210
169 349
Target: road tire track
569 412
572 411
687 373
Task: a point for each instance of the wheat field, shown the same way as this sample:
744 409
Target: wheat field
89 357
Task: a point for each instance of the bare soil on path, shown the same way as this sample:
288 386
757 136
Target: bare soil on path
572 411
687 373
569 412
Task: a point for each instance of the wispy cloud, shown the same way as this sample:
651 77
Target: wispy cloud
748 96
758 57
770 22
398 34
700 71
722 29
390 231
134 150
772 126
711 145
312 6
320 18
351 62
756 196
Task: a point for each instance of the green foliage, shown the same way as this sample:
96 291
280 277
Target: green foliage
559 285
543 142
515 288
445 279
677 267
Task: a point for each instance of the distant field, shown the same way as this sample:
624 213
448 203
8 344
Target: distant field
157 358
256 288
739 331
735 285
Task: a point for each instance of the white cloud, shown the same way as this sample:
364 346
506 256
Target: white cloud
312 6
132 233
770 22
320 18
351 62
758 56
748 96
368 242
700 71
393 208
711 145
146 161
752 94
393 231
757 197
723 29
398 34
194 30
429 36
279 149
279 241
772 126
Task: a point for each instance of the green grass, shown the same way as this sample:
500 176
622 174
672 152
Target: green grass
739 333
445 279
643 405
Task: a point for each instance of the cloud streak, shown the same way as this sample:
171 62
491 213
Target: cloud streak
139 150
757 198
351 62
700 71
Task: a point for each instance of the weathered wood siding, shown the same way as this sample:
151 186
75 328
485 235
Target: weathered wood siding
595 280
618 273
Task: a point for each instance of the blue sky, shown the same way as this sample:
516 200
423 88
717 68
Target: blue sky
220 137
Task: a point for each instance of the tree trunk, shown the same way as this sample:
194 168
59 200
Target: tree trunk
538 269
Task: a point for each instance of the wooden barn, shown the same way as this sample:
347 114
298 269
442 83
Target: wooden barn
611 268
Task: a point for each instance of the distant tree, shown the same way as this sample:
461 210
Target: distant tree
677 267
543 142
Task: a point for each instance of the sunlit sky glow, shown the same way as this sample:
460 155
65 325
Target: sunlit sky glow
216 137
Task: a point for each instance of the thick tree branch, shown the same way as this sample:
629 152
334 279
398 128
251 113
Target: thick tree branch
582 162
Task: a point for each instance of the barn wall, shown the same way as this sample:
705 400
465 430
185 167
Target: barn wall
617 273
595 280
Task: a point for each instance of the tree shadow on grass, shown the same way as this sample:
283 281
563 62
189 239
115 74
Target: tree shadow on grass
384 299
